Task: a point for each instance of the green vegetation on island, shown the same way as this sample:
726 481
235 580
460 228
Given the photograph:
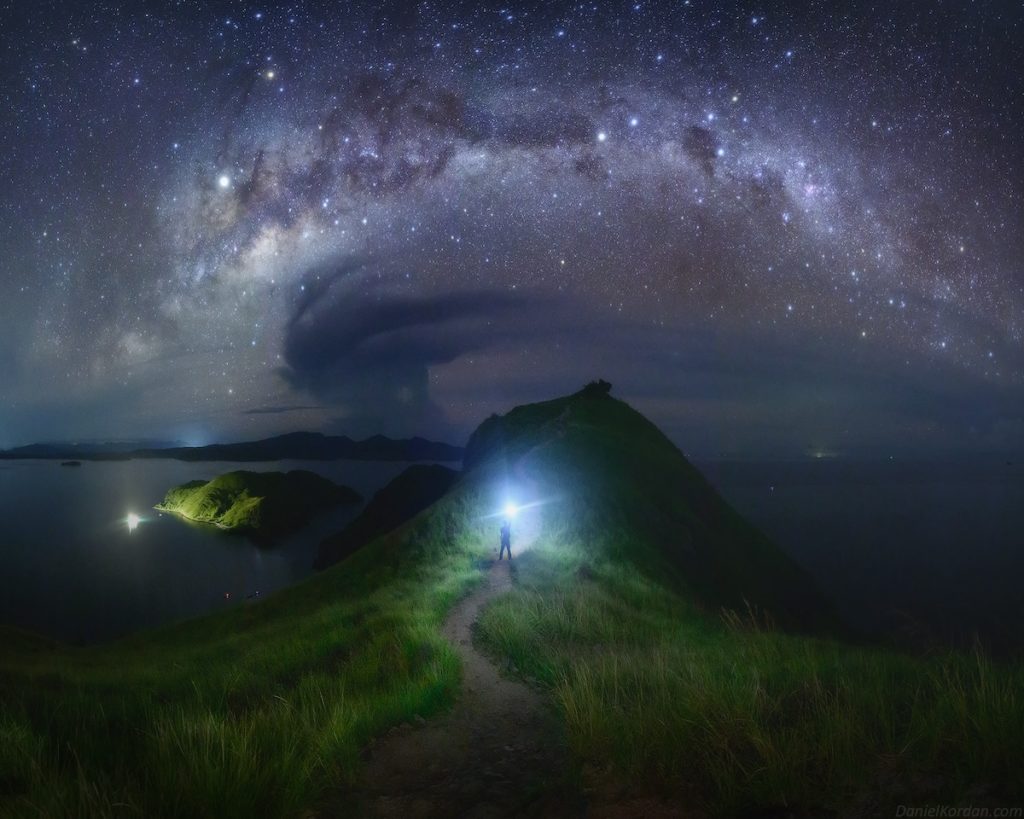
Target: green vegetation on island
257 502
646 608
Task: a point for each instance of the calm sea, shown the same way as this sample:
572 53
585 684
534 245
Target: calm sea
70 567
928 552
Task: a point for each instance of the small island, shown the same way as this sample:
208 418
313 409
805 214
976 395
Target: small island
260 503
71 463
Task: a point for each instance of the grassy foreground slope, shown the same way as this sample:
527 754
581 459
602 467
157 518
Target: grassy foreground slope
608 469
256 501
259 711
631 608
649 610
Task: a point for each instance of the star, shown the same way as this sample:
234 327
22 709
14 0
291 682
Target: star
456 185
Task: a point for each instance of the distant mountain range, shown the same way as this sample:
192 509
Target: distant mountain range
99 446
306 446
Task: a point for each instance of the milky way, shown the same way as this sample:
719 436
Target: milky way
776 227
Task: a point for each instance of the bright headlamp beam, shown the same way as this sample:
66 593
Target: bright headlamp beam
511 510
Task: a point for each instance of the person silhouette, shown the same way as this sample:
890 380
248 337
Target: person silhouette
506 539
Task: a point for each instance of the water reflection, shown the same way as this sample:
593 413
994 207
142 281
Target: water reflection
77 563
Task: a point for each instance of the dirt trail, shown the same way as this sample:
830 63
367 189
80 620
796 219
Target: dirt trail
497 753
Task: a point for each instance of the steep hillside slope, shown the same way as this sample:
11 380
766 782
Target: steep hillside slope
259 710
602 467
649 610
624 560
407 495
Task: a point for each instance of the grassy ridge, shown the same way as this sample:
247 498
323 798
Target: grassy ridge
258 711
645 606
610 469
415 489
649 612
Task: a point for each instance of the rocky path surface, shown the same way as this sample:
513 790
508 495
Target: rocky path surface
498 753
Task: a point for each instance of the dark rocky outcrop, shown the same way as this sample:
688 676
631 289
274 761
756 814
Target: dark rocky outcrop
406 496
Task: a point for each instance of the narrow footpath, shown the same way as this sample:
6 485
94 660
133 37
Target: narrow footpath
497 753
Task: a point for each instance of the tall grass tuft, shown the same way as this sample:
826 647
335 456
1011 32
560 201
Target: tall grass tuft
260 711
732 714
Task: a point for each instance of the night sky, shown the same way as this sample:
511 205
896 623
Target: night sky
778 229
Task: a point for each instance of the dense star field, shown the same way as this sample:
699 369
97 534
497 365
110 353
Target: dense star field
778 228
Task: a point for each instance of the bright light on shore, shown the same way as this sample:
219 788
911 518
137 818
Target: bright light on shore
133 521
511 510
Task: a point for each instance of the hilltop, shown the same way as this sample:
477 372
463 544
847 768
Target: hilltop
256 502
416 488
658 629
613 472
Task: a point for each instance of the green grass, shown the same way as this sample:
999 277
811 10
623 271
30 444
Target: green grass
258 711
256 501
669 670
646 607
728 715
609 468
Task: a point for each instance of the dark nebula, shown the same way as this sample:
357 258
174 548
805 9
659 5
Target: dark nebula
775 228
